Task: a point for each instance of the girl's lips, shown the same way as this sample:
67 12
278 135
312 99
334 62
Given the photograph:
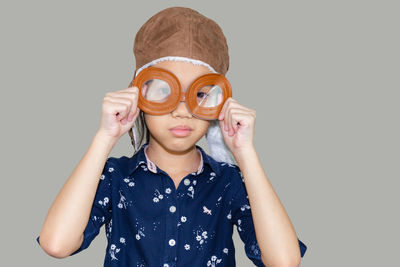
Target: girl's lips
181 127
180 132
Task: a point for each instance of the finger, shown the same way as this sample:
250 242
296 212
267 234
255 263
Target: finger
126 94
115 109
221 125
239 109
122 101
236 105
232 121
128 89
144 89
130 99
135 114
228 120
239 119
134 107
233 106
232 103
222 112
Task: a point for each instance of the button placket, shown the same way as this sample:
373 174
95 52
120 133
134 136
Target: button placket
171 230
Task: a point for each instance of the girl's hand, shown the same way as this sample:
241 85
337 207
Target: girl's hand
237 125
119 112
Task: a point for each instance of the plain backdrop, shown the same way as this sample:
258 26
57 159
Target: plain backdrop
323 77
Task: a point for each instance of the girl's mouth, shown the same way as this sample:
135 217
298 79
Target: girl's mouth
179 132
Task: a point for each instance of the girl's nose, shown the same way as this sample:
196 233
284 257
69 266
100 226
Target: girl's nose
182 110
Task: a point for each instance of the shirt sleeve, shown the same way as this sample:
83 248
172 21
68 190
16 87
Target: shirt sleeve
242 218
101 211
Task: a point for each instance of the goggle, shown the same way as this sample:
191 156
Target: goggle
160 93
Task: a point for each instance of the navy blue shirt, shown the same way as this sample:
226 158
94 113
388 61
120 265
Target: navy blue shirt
150 222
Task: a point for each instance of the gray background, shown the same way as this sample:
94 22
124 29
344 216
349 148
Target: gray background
322 76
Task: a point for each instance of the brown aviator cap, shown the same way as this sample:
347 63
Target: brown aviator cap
183 32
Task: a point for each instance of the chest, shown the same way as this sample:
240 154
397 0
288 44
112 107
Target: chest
190 209
162 220
156 196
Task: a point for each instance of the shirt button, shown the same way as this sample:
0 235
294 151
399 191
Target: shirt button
186 181
166 265
171 242
172 209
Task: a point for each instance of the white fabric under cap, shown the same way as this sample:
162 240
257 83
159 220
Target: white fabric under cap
215 140
176 58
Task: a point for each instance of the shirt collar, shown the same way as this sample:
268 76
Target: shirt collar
140 157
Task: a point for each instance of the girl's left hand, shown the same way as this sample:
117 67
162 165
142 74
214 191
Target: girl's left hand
237 125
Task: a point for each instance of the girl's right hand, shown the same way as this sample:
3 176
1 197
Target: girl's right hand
119 112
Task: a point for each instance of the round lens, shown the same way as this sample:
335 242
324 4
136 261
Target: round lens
209 96
156 90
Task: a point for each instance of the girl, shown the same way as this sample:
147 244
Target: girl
172 204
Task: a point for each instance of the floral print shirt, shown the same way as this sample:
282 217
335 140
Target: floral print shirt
150 222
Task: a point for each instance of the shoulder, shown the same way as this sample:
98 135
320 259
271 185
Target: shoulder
231 175
232 179
222 168
230 170
117 166
113 161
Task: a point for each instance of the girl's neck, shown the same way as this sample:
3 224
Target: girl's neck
174 163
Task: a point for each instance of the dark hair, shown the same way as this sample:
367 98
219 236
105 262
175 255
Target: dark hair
143 132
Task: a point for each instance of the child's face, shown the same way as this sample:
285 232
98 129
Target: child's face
159 125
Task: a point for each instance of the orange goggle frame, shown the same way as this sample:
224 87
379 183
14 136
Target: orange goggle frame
176 94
